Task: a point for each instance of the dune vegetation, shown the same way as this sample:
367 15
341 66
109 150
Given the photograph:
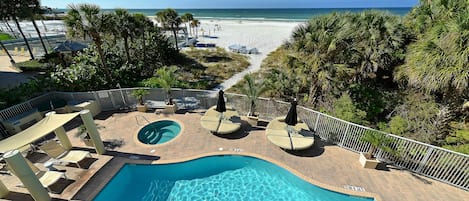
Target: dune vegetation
405 75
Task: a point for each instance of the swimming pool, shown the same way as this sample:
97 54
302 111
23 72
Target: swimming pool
227 177
159 132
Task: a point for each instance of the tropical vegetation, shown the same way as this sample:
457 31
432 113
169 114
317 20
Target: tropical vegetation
405 75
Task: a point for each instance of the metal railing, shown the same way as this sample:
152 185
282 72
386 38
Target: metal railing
424 159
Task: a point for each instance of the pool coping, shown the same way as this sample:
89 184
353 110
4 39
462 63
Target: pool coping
365 194
181 132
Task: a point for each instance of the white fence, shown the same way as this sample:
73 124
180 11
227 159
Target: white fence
428 160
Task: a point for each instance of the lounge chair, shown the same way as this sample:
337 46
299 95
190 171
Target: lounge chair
229 123
56 151
47 178
277 133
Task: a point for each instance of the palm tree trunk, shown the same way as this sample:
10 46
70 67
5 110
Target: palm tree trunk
144 47
12 61
126 46
175 37
24 37
9 27
98 43
39 34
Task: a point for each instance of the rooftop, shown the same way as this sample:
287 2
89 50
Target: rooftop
324 164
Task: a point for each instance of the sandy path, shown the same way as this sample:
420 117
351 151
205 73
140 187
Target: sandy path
265 36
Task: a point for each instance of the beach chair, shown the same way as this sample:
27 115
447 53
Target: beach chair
47 178
56 151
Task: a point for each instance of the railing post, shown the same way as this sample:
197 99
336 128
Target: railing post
424 160
345 136
112 99
317 122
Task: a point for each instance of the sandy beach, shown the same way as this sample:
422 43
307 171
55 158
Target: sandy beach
266 36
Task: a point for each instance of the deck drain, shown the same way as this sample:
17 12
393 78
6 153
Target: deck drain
354 188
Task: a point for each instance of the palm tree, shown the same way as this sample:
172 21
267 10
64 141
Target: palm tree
252 90
169 18
31 10
12 61
124 27
165 78
187 18
437 62
86 20
194 24
142 23
14 11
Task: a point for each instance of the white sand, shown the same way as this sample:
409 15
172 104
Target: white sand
266 36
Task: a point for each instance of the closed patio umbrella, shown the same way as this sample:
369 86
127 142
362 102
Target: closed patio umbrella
221 107
292 117
291 120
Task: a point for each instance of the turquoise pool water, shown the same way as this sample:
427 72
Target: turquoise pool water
159 132
222 178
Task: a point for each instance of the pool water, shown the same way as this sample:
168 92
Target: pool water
221 178
159 132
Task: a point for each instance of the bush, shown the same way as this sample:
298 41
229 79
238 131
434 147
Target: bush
33 65
5 36
346 110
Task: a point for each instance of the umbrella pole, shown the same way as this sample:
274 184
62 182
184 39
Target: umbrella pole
219 122
290 129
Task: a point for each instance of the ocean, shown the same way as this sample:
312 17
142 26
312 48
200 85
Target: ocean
280 14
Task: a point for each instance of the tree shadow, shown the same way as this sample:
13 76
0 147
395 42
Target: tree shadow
316 150
241 133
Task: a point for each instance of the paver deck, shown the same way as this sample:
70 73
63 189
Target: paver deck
323 163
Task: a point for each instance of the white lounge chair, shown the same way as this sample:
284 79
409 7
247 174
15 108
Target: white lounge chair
56 151
47 178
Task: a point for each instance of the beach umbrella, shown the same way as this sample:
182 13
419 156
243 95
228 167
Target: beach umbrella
292 116
69 46
221 107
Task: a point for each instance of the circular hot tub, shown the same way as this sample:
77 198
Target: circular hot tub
159 132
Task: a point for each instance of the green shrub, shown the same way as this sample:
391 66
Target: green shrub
5 36
346 110
32 65
398 125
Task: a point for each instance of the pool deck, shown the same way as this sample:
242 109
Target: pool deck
323 164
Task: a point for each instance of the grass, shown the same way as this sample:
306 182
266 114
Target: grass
32 65
5 36
206 68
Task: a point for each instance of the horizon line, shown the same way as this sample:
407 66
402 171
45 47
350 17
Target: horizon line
258 8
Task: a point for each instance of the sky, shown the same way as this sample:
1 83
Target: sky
179 4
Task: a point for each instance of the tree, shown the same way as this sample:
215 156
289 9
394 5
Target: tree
14 11
165 78
142 23
194 24
12 61
437 62
86 20
30 10
252 90
124 27
187 18
169 18
377 140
